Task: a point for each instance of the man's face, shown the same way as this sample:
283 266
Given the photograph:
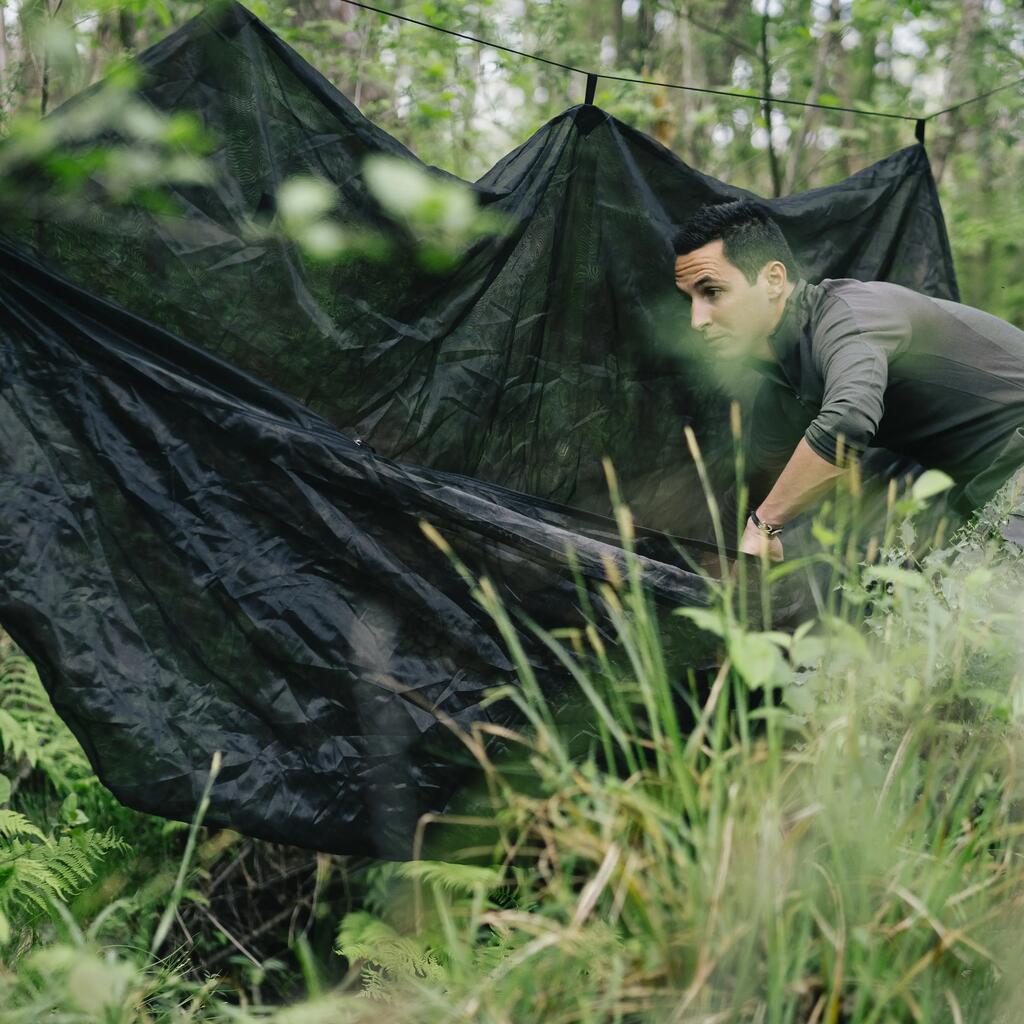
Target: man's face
734 316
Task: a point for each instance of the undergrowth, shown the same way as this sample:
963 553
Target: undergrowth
831 832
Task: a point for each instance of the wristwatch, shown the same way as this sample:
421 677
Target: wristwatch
765 528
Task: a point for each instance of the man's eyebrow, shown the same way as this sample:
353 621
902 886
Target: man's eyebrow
706 279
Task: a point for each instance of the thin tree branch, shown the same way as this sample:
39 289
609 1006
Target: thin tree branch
766 79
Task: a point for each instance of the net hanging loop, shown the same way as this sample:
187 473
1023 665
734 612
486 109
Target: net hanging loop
591 88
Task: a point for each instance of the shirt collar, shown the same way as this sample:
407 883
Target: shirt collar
784 340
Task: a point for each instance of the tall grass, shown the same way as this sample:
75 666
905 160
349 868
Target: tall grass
837 839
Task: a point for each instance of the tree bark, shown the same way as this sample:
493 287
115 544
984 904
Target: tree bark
4 56
617 29
812 115
766 78
958 84
126 29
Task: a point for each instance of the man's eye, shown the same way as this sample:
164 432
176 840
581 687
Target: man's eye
712 291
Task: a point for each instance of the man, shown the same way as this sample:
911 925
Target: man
868 362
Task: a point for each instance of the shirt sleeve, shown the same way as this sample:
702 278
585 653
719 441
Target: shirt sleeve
853 361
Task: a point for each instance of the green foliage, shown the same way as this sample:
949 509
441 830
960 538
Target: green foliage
31 732
37 866
452 878
440 214
36 869
838 851
386 954
46 171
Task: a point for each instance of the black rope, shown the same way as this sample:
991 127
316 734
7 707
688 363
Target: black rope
463 35
592 77
755 96
974 99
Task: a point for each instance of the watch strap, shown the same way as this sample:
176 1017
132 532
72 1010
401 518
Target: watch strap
766 528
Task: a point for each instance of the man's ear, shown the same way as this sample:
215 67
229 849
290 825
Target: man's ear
776 278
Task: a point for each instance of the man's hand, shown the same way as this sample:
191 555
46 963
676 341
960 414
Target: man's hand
804 479
753 542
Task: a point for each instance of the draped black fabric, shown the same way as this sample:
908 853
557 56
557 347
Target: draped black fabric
199 555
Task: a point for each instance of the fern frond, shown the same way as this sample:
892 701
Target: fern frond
365 937
14 824
70 864
18 739
463 878
380 882
30 729
37 869
374 984
26 882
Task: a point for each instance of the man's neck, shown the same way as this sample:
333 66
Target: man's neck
764 350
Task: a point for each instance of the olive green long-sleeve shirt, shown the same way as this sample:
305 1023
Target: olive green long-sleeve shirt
882 365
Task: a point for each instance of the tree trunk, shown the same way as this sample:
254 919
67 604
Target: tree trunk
958 84
617 29
766 90
4 56
849 122
126 29
812 115
679 136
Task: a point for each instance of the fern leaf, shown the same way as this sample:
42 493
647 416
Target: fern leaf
463 878
14 824
365 937
70 864
36 869
374 984
30 729
27 884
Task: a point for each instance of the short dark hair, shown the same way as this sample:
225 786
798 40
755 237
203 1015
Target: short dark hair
750 238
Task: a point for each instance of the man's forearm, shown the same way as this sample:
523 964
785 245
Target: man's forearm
804 479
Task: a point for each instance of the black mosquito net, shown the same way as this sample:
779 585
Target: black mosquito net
197 552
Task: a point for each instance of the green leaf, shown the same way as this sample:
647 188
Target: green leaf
908 533
5 789
757 659
930 483
451 877
807 650
890 574
305 199
706 619
823 535
13 824
799 698
400 186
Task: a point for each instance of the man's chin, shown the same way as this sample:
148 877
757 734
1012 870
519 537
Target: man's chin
728 350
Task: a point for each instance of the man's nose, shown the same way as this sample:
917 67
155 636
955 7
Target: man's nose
699 318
